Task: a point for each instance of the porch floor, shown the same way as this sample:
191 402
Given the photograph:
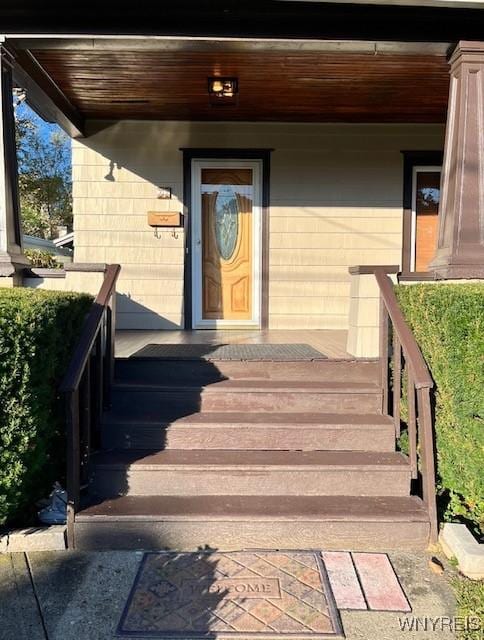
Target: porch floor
332 343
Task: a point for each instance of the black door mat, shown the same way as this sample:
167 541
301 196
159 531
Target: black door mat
248 352
266 594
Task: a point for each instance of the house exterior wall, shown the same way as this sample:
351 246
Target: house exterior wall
335 201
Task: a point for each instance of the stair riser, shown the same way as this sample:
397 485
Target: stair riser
158 405
292 402
236 535
152 372
209 481
137 436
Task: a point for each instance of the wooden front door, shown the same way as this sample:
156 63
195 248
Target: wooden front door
226 244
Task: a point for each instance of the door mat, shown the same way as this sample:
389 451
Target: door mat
251 352
268 594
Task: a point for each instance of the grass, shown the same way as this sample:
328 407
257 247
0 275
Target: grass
470 605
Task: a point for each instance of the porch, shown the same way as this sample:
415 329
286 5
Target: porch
325 139
322 189
330 343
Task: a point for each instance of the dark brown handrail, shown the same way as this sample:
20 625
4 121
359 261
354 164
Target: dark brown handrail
421 375
86 387
90 330
419 384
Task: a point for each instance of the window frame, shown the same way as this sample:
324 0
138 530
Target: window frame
414 161
413 229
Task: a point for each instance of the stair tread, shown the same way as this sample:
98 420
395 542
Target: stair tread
244 385
250 460
269 508
236 419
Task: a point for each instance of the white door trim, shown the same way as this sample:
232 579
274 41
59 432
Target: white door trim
196 243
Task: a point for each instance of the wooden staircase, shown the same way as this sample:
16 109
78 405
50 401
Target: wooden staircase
235 455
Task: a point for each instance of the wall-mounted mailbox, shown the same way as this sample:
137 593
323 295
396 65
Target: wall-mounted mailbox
165 219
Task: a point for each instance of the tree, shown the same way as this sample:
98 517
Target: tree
45 188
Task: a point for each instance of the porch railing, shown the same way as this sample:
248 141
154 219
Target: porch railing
86 388
404 352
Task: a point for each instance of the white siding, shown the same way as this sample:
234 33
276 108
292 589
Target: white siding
336 201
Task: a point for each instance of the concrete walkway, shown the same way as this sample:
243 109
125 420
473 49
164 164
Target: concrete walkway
80 596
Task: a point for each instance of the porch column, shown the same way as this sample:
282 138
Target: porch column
11 256
460 248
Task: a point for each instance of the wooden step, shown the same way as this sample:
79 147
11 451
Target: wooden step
242 522
215 472
168 372
247 395
252 431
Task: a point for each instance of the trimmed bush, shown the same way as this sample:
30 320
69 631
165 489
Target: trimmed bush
448 322
38 330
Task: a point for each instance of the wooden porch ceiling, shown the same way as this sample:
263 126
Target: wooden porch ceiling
273 86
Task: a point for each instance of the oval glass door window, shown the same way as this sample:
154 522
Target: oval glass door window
226 221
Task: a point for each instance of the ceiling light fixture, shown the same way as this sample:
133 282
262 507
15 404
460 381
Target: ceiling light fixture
223 91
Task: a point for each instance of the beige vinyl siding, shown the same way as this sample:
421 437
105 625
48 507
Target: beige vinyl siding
336 201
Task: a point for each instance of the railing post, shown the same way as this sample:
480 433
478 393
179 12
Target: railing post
427 459
384 354
73 462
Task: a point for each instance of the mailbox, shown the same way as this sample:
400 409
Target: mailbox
165 219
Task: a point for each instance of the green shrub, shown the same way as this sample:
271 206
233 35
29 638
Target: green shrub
38 330
448 322
42 259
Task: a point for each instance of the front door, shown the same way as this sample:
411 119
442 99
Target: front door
226 243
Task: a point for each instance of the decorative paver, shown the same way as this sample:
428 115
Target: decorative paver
379 582
344 581
233 595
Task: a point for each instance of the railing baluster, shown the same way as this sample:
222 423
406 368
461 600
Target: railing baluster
384 354
397 381
85 421
109 360
412 425
427 458
97 390
73 457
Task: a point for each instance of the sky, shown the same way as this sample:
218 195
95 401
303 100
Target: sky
44 129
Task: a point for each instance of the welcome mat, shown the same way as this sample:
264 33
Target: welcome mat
254 352
268 594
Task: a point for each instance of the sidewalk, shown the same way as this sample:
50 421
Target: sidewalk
76 596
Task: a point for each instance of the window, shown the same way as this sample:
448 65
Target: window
421 199
425 211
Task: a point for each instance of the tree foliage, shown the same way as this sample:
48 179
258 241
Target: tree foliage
45 190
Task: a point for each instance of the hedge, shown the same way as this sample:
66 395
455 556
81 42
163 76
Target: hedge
448 322
38 330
